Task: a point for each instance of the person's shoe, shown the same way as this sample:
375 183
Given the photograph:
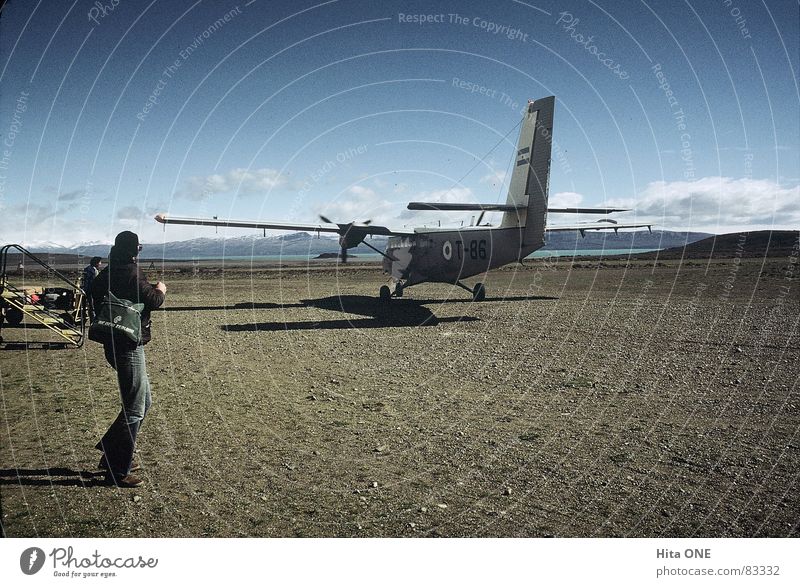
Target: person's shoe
103 464
126 481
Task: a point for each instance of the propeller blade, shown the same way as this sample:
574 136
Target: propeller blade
344 255
367 222
324 219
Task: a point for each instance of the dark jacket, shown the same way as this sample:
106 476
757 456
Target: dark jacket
127 282
89 273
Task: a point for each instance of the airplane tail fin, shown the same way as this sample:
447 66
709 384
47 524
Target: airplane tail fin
528 190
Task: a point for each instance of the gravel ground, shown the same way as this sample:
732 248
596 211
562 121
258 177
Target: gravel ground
580 399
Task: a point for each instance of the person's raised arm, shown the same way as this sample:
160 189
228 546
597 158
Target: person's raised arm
152 296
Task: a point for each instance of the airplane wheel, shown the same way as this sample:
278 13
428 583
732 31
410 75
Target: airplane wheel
14 316
385 293
478 292
398 291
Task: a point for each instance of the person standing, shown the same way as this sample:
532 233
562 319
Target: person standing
89 273
125 280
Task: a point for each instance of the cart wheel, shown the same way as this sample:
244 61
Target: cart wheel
14 316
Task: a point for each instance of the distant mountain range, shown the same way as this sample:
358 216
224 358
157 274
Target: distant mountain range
758 243
658 239
303 243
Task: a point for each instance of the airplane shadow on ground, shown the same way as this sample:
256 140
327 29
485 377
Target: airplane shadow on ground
311 303
377 314
54 476
488 299
239 306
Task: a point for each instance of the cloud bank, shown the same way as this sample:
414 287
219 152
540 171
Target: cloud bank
718 204
238 180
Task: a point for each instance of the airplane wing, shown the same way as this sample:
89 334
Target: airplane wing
365 229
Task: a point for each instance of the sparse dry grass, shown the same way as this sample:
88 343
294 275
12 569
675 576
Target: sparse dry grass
588 401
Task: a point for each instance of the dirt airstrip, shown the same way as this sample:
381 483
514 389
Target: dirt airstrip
582 398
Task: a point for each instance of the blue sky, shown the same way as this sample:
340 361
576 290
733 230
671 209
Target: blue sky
687 112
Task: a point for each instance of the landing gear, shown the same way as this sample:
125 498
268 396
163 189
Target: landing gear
478 292
387 294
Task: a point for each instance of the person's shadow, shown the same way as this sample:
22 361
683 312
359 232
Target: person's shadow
61 476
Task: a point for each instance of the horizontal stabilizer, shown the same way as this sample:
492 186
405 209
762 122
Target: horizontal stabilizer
600 225
586 210
443 207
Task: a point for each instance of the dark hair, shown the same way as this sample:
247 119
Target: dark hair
95 261
125 249
127 243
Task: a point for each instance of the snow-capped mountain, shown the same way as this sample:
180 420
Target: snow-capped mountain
303 243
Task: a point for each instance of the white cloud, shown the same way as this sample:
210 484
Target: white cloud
358 203
453 195
71 196
26 223
711 204
129 213
238 180
718 204
421 217
565 200
400 188
495 178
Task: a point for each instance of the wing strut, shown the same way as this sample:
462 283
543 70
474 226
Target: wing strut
378 251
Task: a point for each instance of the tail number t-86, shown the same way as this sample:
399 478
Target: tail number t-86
472 249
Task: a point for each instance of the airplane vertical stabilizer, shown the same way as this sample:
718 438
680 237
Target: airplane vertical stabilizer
531 176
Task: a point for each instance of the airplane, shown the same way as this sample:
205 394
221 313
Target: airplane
451 255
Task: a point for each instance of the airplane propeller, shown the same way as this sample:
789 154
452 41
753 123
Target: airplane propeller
326 220
344 229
